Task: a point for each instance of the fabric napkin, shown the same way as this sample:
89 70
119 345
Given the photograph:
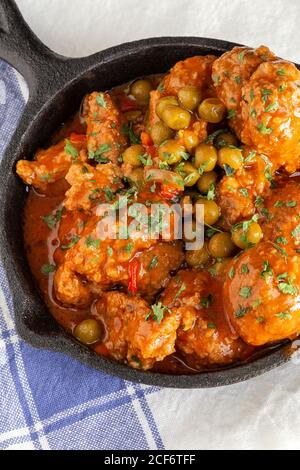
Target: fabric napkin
49 401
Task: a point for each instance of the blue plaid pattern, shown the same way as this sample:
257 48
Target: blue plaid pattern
47 400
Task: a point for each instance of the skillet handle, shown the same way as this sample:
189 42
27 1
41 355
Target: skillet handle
42 69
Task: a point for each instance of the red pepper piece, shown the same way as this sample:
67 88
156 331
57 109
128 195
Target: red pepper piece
126 104
168 193
146 139
77 137
133 272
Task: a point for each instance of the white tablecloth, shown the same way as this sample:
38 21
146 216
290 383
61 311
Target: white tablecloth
263 412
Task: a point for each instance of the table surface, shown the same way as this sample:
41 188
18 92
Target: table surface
263 412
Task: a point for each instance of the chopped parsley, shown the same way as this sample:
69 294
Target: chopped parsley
250 157
98 154
48 268
101 100
228 170
161 87
71 243
241 56
71 150
128 131
129 247
280 72
231 114
244 192
206 301
136 360
153 262
211 192
267 270
281 241
241 312
245 292
180 291
231 272
263 129
283 315
281 250
216 79
268 175
109 195
92 242
291 204
146 159
211 325
259 201
260 319
52 219
45 177
158 312
109 251
189 178
84 169
271 107
244 269
163 166
287 286
281 88
265 93
296 232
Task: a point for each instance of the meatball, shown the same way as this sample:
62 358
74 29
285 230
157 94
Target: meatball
156 265
282 213
261 294
90 185
128 256
105 140
204 331
231 71
271 113
51 164
134 331
69 288
194 71
240 195
71 226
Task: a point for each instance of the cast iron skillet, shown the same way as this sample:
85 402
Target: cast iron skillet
56 87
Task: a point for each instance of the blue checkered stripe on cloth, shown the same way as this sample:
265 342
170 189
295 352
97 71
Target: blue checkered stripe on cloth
48 400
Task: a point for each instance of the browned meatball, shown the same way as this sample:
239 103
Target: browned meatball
139 262
271 113
156 265
133 331
261 294
231 71
90 185
194 71
205 332
105 140
69 288
51 164
240 195
282 214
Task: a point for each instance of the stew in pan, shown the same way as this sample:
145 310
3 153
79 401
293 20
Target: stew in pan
220 136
